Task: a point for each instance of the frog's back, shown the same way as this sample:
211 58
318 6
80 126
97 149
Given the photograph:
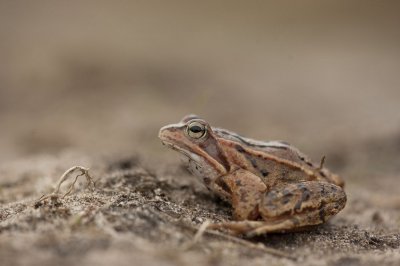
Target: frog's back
279 149
281 161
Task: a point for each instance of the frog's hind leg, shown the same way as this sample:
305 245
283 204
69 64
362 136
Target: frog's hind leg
291 207
296 206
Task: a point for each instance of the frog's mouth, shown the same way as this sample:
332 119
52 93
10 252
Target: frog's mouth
190 155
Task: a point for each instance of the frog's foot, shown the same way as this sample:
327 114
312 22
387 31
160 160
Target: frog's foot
289 225
237 227
253 228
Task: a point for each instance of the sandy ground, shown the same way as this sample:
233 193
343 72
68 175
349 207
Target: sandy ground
140 214
84 83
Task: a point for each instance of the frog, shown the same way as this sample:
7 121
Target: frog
271 186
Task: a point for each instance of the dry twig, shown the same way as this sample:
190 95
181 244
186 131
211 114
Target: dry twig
56 193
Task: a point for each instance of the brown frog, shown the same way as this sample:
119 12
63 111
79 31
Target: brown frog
272 186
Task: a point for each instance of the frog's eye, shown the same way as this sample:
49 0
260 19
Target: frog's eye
196 130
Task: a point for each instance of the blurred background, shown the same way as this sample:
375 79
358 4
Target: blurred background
104 76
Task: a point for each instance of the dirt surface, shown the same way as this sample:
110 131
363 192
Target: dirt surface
141 214
91 84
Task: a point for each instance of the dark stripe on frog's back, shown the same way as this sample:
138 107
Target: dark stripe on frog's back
286 151
227 134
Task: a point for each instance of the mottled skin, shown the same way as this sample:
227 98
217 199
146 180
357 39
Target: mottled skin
271 186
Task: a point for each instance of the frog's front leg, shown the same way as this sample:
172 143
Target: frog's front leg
246 191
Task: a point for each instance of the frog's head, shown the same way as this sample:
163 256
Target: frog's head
194 138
